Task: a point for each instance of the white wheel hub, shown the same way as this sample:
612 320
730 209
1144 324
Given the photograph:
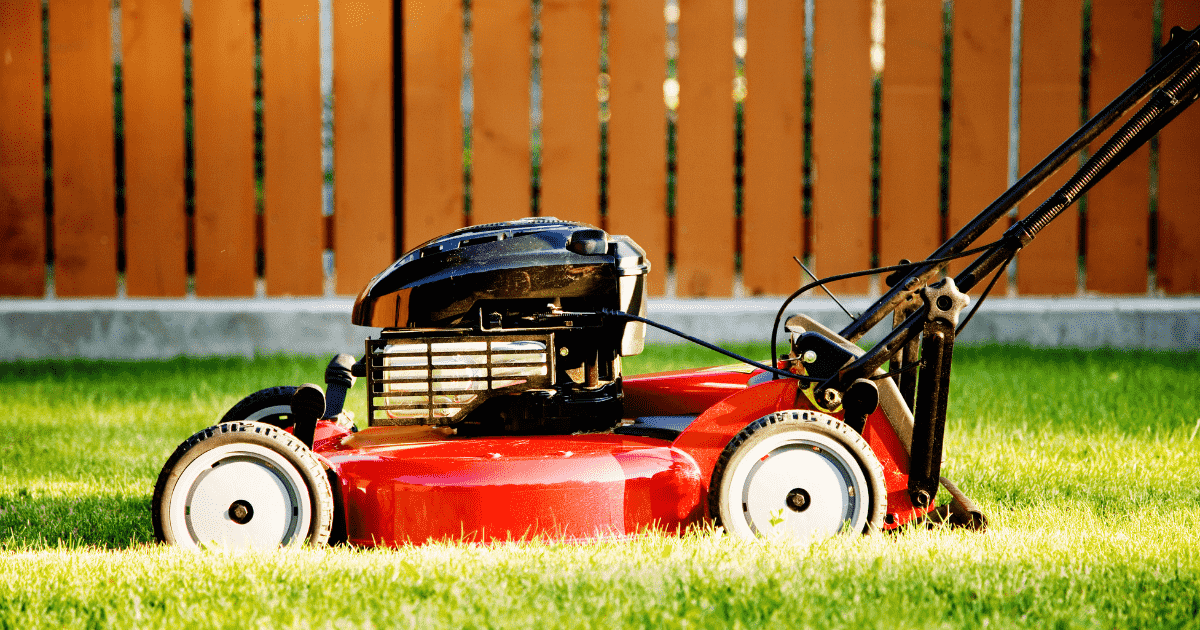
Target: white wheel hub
799 484
241 496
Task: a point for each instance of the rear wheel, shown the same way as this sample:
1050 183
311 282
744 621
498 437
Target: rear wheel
800 474
272 406
242 485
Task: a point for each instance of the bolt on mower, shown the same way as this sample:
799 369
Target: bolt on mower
497 408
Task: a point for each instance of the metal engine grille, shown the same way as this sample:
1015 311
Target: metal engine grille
438 380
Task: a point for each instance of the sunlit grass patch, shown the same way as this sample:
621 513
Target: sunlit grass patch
1084 461
1064 567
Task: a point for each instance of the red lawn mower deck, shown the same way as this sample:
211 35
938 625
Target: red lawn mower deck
498 411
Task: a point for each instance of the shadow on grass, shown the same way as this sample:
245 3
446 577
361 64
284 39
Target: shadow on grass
30 522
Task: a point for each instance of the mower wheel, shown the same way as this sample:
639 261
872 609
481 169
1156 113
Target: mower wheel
242 485
272 406
798 473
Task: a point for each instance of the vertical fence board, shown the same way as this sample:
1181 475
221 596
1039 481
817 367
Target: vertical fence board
841 142
637 130
910 133
704 220
81 104
84 222
773 210
223 114
1118 207
364 227
571 110
152 80
433 148
22 222
1050 91
979 114
1178 186
500 126
293 223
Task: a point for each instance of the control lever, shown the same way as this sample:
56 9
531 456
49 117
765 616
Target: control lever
339 378
308 403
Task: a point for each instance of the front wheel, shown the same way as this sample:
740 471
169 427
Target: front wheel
242 485
797 473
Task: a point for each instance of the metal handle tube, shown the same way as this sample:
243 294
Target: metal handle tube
1170 100
1113 151
1110 154
874 358
1180 91
1155 77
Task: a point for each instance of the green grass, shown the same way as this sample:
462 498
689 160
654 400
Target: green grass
1085 461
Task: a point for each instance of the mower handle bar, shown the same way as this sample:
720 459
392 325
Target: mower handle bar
1174 82
1182 49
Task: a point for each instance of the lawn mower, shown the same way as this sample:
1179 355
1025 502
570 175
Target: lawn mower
497 408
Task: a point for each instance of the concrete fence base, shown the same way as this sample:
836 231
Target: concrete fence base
155 329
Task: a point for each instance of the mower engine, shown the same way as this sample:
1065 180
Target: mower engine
499 329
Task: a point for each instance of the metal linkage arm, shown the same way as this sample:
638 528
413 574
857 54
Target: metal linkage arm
943 303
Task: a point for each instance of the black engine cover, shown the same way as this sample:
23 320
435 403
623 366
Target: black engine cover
508 270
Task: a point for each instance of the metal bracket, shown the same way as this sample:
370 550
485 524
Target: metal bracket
945 301
907 356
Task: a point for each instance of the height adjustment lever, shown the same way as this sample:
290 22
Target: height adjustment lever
944 303
339 378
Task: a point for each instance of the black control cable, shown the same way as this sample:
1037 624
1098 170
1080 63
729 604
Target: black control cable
869 272
784 373
714 348
983 296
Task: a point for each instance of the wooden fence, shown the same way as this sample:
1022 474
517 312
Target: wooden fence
164 149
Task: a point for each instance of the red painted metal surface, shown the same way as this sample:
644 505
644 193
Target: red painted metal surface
893 456
415 484
326 435
710 433
707 436
725 406
683 392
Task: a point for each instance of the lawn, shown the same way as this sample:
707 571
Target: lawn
1085 461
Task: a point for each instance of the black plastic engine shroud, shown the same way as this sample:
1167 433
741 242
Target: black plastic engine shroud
514 269
534 278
